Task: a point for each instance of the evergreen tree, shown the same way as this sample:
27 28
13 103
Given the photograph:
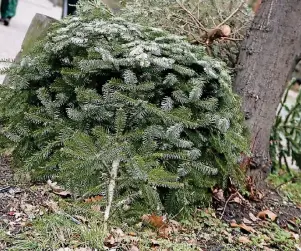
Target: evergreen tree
105 105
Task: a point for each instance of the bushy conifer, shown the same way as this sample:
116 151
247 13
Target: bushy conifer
105 105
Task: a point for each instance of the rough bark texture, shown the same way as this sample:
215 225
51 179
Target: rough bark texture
267 58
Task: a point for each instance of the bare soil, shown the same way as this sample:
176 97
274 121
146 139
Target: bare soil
287 212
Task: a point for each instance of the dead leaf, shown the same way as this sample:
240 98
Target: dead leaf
134 248
52 205
96 208
27 208
155 243
165 231
295 236
154 220
94 199
218 194
192 241
242 226
176 226
237 200
110 241
298 248
268 249
267 213
230 239
244 240
118 232
246 221
253 217
132 234
60 235
81 218
57 189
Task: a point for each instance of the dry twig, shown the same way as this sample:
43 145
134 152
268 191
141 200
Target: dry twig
231 15
200 25
228 200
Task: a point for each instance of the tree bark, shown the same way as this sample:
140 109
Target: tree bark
268 55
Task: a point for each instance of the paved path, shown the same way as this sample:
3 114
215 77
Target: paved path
11 37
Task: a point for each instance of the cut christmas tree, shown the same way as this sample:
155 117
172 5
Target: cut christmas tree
105 105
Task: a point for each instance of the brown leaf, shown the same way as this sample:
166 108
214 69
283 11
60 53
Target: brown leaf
267 213
237 200
132 234
96 208
52 205
218 194
155 243
260 195
110 241
267 249
118 232
176 226
242 226
165 231
81 218
295 236
94 199
298 248
253 217
246 221
244 240
57 189
154 220
134 248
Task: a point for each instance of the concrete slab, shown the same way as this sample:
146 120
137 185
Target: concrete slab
11 37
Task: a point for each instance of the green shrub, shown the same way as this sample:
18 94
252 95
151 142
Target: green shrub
285 147
100 92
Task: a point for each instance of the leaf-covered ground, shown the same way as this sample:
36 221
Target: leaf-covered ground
43 217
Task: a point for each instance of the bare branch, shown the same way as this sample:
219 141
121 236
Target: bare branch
201 26
231 15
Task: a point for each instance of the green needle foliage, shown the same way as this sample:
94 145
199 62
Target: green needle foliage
100 90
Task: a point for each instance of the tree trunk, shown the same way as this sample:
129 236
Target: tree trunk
267 58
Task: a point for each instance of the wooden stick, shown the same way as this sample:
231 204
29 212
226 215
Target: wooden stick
230 197
111 190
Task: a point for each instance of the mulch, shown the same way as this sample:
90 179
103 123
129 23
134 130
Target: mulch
287 212
19 204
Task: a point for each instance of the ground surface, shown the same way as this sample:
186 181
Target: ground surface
11 37
35 217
